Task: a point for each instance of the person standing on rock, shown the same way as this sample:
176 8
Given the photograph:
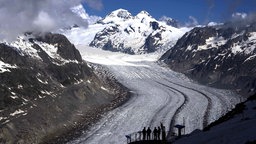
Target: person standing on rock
148 133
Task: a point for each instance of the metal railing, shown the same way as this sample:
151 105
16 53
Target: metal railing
138 136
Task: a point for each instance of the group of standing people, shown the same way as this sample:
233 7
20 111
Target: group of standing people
156 133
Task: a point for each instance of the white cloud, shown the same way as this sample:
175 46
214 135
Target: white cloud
19 16
44 22
80 11
192 22
239 15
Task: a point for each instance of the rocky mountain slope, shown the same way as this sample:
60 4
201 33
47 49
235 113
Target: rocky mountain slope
169 21
135 34
223 56
47 89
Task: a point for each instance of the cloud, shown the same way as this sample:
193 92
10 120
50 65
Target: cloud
80 11
44 22
241 20
95 4
239 15
19 16
192 22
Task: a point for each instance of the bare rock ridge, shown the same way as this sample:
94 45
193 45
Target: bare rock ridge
47 89
222 56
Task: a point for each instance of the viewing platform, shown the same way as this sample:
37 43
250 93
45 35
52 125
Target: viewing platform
153 137
137 138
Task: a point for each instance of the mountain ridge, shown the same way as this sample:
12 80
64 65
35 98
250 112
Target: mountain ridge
137 34
222 56
45 88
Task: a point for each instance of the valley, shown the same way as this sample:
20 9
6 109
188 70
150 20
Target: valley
158 95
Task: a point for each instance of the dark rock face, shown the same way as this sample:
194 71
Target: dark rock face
65 48
46 94
154 25
151 43
169 21
10 55
222 56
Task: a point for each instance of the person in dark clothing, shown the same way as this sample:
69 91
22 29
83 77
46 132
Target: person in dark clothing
163 133
158 133
144 132
148 133
161 125
155 133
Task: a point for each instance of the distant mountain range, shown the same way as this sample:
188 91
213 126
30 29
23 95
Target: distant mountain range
121 31
223 56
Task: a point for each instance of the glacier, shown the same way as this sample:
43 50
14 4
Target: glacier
159 95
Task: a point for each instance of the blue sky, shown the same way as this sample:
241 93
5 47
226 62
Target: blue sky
203 10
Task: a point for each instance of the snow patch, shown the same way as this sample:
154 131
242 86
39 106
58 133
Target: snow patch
25 47
103 88
246 47
25 99
19 111
46 92
79 81
14 97
236 48
88 81
212 42
4 67
43 82
51 50
3 118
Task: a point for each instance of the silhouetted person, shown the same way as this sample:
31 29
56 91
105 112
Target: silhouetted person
158 133
155 133
144 132
148 133
163 133
162 126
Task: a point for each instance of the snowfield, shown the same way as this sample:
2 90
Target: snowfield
158 95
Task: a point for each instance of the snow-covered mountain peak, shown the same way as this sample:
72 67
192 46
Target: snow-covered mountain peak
121 31
120 13
144 15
